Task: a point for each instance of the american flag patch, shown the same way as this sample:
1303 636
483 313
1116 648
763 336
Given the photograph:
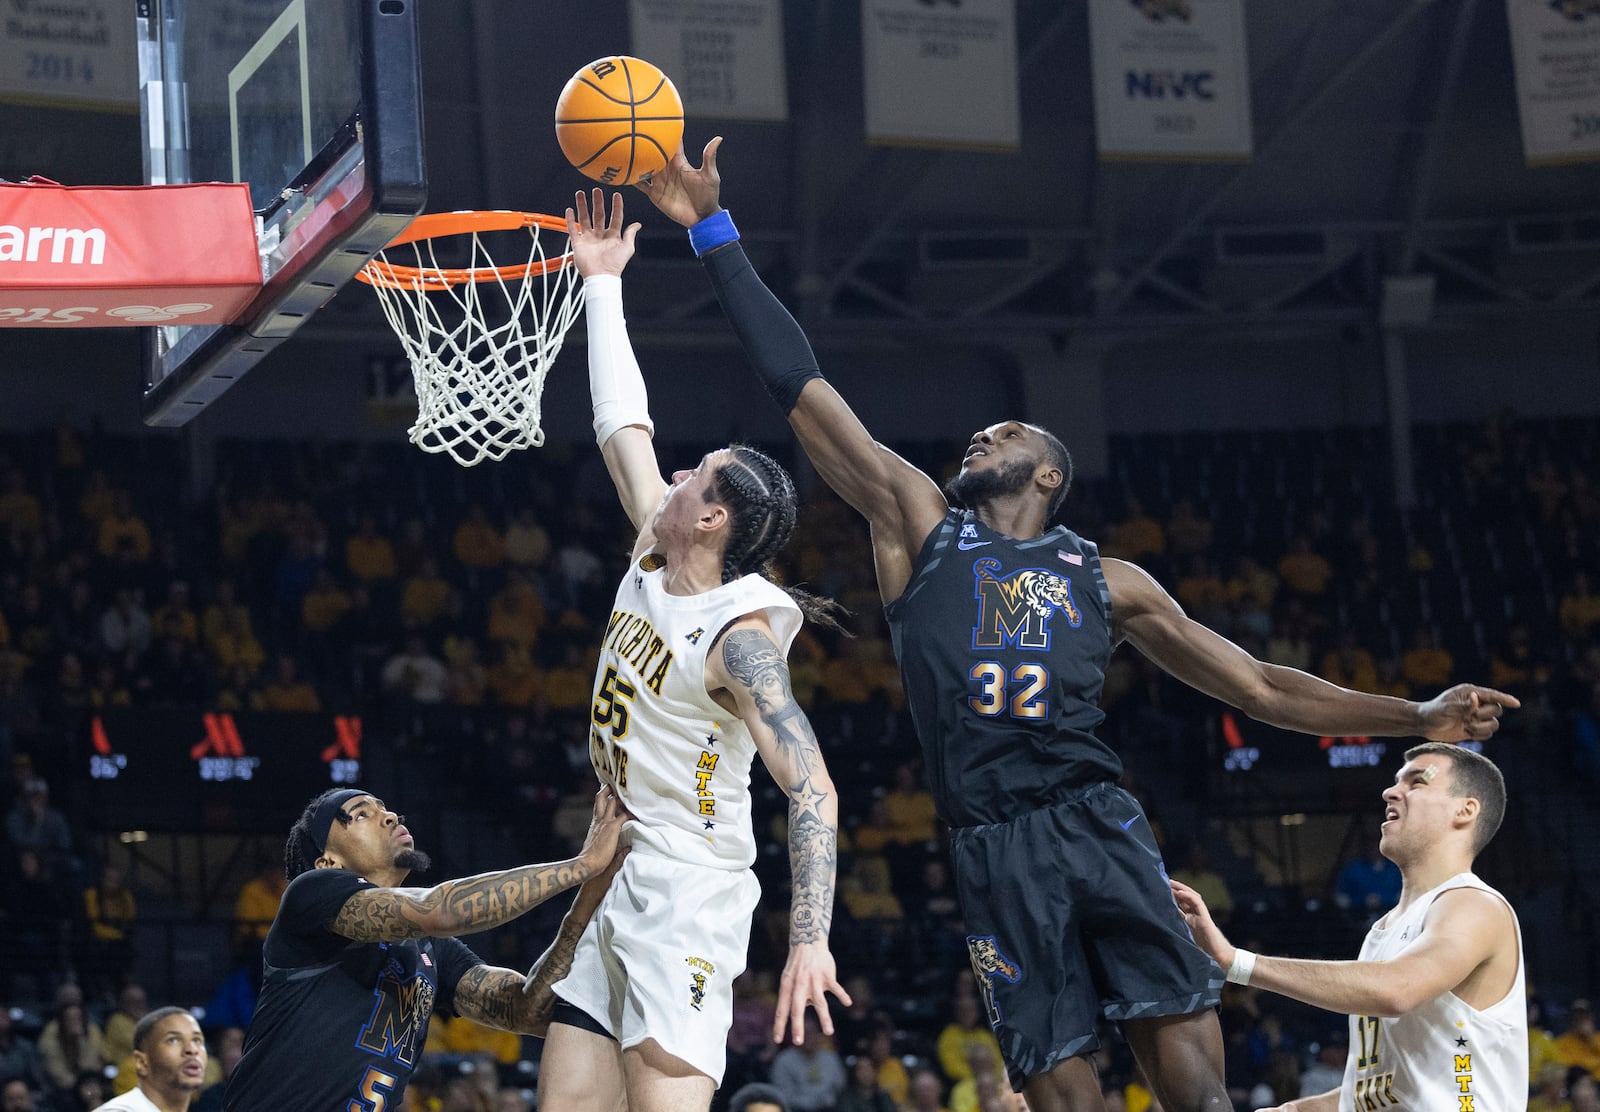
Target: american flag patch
426 960
1070 557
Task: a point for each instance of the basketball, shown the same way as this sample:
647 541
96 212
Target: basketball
618 120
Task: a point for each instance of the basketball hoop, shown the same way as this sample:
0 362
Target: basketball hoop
479 358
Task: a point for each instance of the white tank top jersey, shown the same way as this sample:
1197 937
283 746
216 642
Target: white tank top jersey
679 762
1444 1055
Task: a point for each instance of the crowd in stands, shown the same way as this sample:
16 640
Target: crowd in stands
458 613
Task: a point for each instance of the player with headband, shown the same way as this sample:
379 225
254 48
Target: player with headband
355 964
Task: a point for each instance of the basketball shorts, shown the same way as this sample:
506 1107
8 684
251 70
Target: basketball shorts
1069 918
659 957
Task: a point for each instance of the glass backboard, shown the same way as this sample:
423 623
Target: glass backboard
317 104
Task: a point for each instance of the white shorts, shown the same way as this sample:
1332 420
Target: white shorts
659 957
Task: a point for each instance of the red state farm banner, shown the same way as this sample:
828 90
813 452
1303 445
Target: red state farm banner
93 256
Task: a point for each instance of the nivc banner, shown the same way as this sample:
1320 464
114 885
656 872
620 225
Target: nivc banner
80 55
1555 45
1171 79
941 75
725 56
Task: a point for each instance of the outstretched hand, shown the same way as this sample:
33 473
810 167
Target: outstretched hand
1465 712
685 193
1207 935
808 976
599 246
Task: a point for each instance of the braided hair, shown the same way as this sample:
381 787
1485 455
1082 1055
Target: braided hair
762 509
301 851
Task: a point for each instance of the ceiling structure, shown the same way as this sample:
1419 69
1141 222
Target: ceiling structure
1387 144
1386 135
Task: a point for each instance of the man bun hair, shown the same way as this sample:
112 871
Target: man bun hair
147 1023
301 851
1472 776
762 510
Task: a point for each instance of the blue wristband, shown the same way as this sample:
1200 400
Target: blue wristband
713 231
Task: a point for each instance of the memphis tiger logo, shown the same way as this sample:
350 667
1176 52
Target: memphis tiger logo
987 964
1016 609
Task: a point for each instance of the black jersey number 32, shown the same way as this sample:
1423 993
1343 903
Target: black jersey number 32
1019 692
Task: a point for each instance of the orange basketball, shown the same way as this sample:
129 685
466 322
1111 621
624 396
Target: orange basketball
619 119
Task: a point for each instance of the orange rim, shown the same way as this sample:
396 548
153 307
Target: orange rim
398 276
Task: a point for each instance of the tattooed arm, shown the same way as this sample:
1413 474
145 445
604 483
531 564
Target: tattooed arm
538 987
478 903
752 669
508 1000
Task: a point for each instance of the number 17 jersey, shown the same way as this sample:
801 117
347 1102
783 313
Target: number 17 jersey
1002 645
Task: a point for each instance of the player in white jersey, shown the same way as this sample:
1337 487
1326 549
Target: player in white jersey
1438 1017
692 684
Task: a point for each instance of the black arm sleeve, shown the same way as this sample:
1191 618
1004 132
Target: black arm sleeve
772 338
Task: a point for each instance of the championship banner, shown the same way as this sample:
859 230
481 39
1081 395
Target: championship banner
79 55
1555 47
1171 79
725 56
941 75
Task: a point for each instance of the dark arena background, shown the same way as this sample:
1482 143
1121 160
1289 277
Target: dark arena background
1336 386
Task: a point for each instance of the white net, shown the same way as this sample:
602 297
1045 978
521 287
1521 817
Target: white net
479 349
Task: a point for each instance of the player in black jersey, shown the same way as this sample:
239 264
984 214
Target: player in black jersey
355 965
1002 629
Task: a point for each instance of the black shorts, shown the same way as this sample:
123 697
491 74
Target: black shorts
1069 918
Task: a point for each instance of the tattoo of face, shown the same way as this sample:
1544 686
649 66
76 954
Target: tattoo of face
753 660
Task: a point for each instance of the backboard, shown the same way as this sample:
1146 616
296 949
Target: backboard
317 104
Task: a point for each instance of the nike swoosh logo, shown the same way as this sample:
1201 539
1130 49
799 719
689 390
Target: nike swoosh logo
1130 822
965 545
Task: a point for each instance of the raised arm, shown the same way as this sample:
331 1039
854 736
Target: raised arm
902 504
601 249
1153 622
479 903
751 667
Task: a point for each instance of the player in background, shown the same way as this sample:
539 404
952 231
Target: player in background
692 684
355 965
1438 1014
169 1058
1002 628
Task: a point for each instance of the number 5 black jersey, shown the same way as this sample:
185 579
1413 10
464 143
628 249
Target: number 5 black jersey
1003 647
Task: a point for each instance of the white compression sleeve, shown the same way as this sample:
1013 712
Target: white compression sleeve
616 386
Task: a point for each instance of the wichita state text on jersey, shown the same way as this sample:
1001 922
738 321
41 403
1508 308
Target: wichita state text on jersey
1002 647
679 762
